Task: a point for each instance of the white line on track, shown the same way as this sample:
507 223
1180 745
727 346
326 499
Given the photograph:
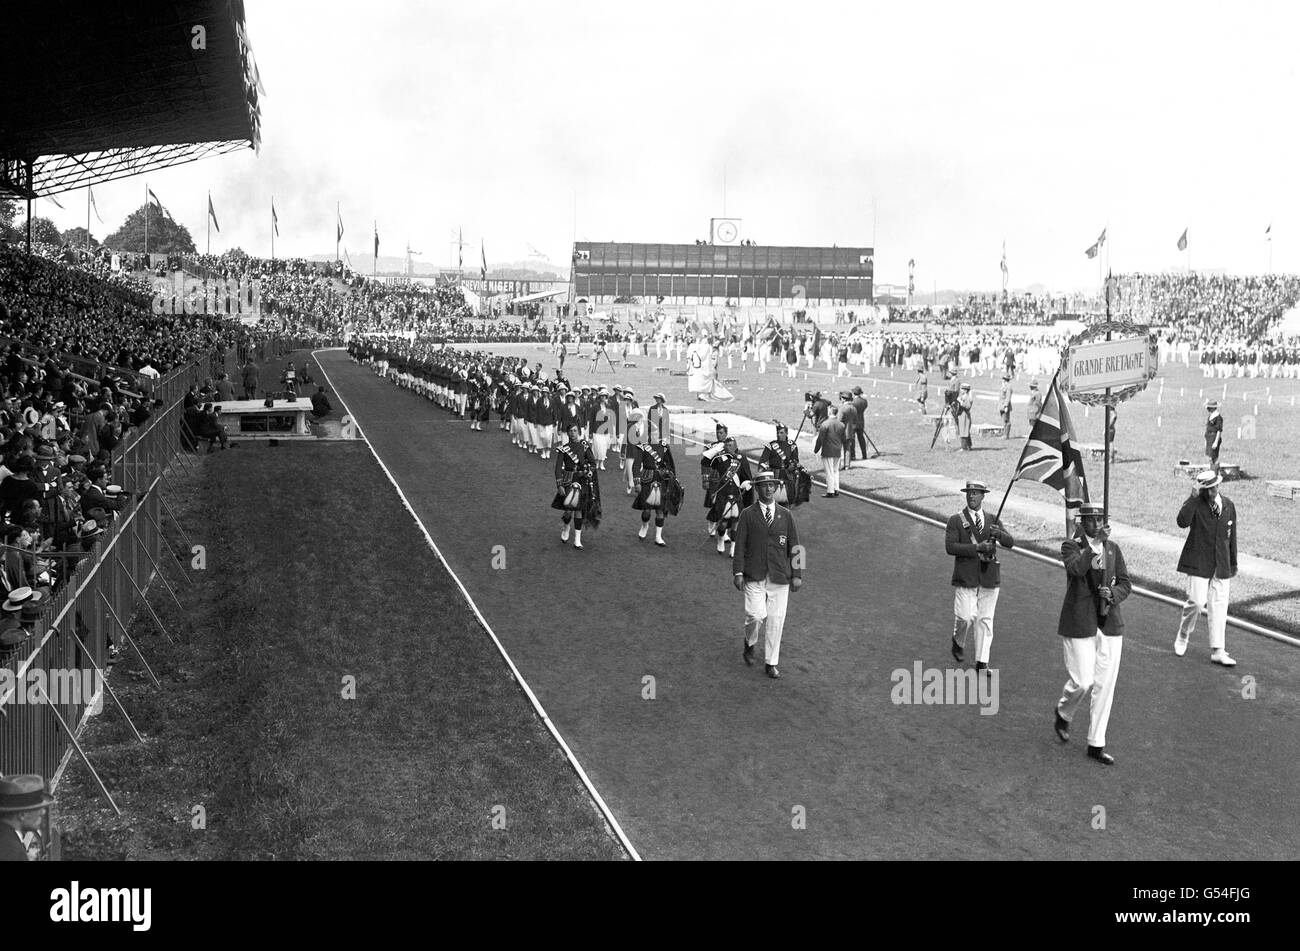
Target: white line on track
519 678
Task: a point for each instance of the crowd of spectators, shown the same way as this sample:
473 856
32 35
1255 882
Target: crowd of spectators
1209 310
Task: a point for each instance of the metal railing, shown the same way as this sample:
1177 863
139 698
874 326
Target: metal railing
43 700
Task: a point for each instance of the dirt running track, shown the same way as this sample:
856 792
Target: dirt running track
716 764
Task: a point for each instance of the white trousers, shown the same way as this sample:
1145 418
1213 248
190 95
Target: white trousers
1211 593
831 468
1093 666
765 605
973 608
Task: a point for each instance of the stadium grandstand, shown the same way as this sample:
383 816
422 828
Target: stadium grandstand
745 274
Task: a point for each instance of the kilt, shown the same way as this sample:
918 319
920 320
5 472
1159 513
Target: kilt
727 503
669 491
588 503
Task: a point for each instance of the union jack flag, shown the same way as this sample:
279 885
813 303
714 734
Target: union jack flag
1050 456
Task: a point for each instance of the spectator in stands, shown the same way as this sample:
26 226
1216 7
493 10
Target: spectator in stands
18 487
210 428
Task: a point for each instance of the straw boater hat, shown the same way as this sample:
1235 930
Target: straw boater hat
1092 509
1212 405
766 475
20 597
22 793
1208 479
974 485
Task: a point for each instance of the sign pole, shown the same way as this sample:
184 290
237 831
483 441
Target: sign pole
1107 421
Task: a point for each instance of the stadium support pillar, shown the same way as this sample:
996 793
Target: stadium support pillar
29 227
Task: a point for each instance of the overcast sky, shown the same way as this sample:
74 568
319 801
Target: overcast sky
938 130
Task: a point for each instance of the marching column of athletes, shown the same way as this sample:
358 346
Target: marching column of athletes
749 513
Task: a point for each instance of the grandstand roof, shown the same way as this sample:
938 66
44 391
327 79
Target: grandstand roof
91 93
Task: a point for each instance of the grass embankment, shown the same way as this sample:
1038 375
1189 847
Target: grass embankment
316 573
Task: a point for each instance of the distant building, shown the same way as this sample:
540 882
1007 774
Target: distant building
743 275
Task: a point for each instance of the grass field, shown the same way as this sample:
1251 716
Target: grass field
316 573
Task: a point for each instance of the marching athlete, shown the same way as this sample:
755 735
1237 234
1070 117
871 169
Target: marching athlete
708 477
782 457
577 487
660 494
733 491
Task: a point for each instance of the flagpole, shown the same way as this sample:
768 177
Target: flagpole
146 220
88 226
208 251
338 216
272 227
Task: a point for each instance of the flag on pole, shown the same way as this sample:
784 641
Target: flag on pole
1050 456
484 251
1102 239
154 199
339 236
460 250
1004 266
376 240
1268 232
91 191
1182 241
1092 251
275 220
212 213
53 199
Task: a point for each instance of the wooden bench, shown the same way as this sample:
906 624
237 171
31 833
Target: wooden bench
1094 450
1284 488
988 429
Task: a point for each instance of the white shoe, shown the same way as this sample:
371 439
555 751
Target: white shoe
1221 657
713 529
722 546
1180 645
564 535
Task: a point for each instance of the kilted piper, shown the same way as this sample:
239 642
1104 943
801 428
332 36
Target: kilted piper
660 494
577 487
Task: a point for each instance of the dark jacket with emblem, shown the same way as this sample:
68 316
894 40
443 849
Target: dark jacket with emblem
1211 547
766 552
1081 610
969 570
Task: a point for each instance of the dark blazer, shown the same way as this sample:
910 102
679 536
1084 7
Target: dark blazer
1079 611
766 552
968 571
1211 547
11 849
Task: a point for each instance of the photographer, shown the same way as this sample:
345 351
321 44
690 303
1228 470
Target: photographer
816 408
972 538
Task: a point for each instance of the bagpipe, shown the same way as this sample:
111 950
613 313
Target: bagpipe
795 486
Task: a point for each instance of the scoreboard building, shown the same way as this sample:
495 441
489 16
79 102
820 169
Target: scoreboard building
739 275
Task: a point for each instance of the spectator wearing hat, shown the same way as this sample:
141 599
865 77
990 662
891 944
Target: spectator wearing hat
1209 559
766 565
972 537
1213 433
96 494
1091 626
19 487
24 817
1004 401
962 408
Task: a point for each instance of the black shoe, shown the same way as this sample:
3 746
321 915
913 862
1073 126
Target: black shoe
748 654
1062 727
1101 756
772 671
980 665
958 653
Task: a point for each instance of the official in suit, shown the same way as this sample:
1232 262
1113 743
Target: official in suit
965 403
766 565
860 403
1004 403
830 446
972 537
1213 434
848 415
1209 559
1091 626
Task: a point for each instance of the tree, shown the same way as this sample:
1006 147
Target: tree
76 237
45 231
165 235
8 211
